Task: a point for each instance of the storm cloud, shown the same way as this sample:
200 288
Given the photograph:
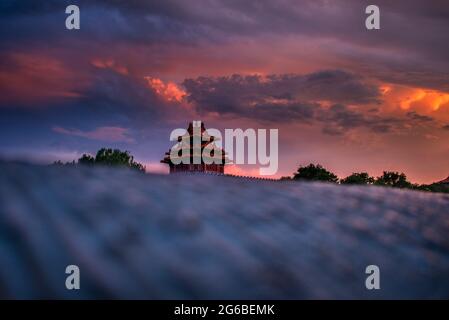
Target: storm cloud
292 98
411 31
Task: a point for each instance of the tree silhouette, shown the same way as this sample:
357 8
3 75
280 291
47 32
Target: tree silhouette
434 187
59 163
315 173
112 157
393 179
86 160
358 178
106 157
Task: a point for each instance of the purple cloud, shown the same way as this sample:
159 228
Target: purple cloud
109 134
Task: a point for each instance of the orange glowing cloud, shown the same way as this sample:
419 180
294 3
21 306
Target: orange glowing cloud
404 98
168 91
109 64
430 98
415 96
385 89
440 100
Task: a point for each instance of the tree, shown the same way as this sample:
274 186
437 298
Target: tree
111 157
86 160
59 163
106 157
434 187
358 178
315 173
393 179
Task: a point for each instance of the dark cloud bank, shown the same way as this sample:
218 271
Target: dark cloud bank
412 45
335 99
412 30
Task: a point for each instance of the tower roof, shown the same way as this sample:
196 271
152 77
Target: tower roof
186 142
190 128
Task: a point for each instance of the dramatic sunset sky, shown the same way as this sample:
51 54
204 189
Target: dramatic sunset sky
340 95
